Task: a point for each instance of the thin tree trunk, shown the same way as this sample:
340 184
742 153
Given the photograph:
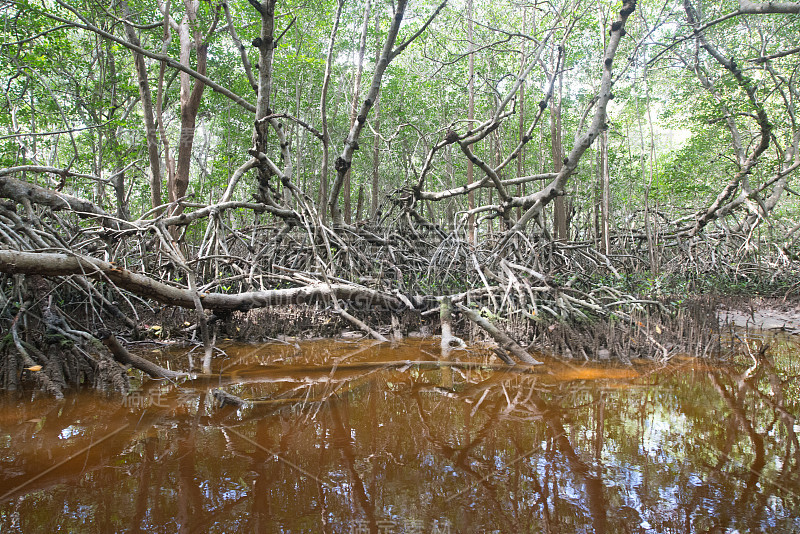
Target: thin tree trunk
470 117
559 204
648 176
323 110
147 110
266 50
536 202
376 154
354 107
521 111
190 97
169 160
605 180
376 159
360 203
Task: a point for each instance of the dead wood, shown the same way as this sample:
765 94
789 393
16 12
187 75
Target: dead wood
503 339
124 357
57 264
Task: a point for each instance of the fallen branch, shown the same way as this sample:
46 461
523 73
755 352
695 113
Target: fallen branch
506 343
59 264
124 357
358 323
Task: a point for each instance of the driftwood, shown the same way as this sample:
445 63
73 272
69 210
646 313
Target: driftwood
227 399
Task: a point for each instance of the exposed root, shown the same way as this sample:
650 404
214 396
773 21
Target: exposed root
111 377
300 277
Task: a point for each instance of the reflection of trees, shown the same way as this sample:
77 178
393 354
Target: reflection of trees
519 398
38 460
756 401
481 410
464 457
360 439
189 497
341 440
780 405
144 487
734 398
593 482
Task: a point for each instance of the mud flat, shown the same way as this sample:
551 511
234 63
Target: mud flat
764 316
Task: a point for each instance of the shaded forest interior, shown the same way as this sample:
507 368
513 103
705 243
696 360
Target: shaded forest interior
556 176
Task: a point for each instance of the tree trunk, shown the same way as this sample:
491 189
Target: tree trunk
470 117
521 111
191 94
147 110
605 196
354 107
559 204
323 111
376 154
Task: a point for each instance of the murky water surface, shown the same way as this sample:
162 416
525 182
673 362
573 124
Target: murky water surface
347 438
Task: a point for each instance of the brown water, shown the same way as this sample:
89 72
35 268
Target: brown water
345 438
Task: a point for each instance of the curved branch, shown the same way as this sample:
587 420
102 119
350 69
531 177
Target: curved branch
58 264
18 190
537 201
712 212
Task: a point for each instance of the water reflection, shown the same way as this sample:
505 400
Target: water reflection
364 438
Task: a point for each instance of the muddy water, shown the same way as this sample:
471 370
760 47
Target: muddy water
348 438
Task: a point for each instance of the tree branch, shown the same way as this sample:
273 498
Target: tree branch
752 8
160 57
58 264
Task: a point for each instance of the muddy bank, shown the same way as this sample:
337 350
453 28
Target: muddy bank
762 314
656 330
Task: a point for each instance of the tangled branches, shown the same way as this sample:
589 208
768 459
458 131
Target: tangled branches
565 297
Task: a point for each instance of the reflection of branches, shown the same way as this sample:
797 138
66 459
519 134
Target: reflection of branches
460 456
511 402
593 483
746 384
190 500
735 404
64 469
341 439
778 403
